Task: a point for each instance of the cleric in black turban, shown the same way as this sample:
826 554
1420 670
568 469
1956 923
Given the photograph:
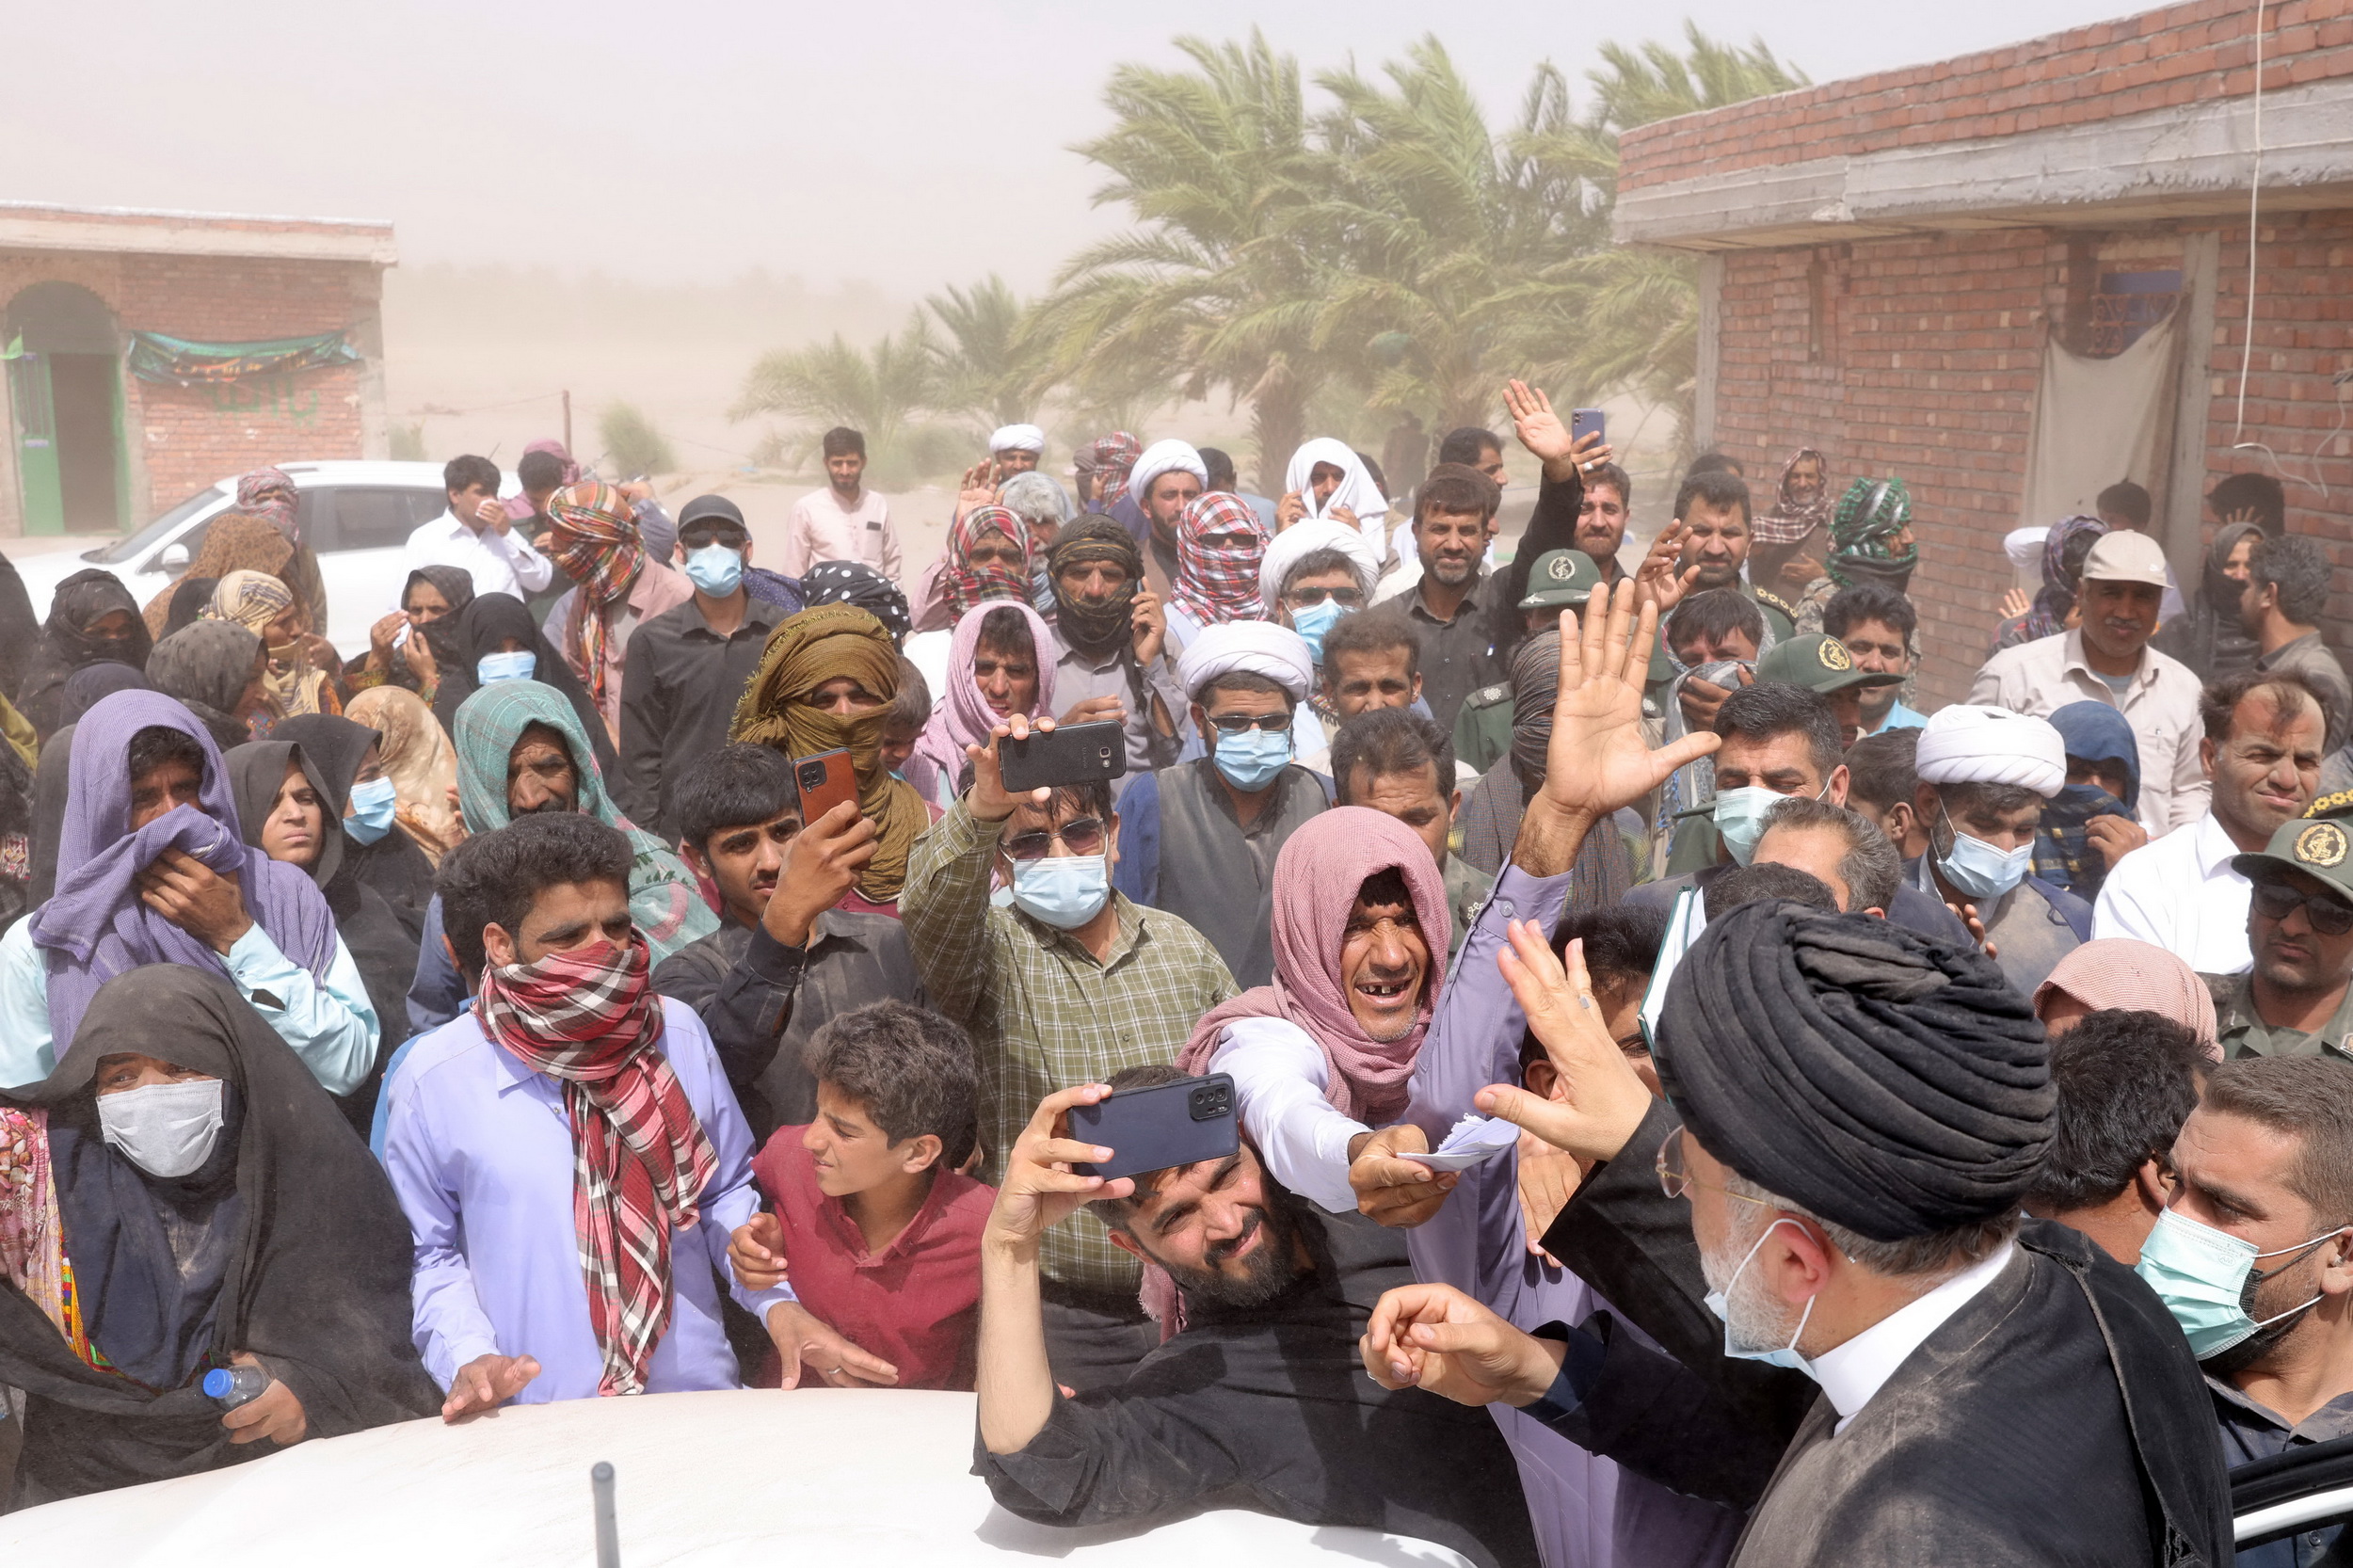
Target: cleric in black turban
1882 1082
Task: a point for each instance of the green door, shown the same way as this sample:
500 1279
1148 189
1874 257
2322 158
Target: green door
36 444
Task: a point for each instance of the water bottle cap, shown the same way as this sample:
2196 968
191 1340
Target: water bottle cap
219 1383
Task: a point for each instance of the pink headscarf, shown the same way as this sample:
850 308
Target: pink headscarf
2138 976
963 716
1316 879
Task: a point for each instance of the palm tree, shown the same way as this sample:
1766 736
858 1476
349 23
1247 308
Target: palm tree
1212 290
982 368
877 391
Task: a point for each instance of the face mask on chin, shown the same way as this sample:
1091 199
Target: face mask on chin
1741 1341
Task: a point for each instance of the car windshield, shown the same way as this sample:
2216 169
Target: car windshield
122 550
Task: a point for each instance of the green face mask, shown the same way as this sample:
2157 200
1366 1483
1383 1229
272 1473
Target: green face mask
2204 1277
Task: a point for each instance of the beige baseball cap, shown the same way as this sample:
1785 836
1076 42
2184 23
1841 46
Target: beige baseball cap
2124 556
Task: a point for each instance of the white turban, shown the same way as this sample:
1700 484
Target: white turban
1301 539
1017 437
2023 546
1966 743
1259 646
1357 491
1164 458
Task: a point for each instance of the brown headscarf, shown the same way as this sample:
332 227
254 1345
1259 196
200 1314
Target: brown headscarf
419 760
803 653
233 542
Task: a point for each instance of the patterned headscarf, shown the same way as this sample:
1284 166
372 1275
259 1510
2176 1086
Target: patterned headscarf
231 543
1218 582
419 760
857 583
592 537
803 653
1095 629
1793 518
269 493
253 599
2060 578
1871 515
589 1019
968 585
1111 458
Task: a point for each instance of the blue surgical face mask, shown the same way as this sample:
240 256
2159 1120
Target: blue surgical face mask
1719 1302
1313 622
1064 890
1251 760
492 667
717 570
371 814
1741 817
1976 870
2202 1276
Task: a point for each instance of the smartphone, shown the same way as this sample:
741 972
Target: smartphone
1160 1128
1584 422
826 781
1078 754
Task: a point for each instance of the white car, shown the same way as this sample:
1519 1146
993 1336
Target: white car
357 515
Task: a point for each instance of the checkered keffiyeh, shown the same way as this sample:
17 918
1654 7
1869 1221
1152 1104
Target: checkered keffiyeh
968 585
589 1019
1113 457
1219 583
593 535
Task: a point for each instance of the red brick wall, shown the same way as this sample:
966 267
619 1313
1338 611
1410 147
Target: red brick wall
2160 60
1925 362
185 439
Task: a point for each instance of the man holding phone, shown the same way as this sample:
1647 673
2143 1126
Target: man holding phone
1070 984
1256 1397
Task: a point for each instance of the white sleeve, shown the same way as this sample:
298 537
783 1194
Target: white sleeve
25 1044
1279 1078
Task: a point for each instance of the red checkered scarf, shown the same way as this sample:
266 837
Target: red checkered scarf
589 1019
593 535
1114 457
1219 583
967 585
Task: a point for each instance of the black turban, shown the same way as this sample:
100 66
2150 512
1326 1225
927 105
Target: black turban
1878 1080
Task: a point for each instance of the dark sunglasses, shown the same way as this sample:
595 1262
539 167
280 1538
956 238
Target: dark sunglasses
1306 597
698 538
1234 724
2328 913
1079 835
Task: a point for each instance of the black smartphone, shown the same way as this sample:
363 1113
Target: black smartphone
826 780
1157 1128
1585 422
1074 754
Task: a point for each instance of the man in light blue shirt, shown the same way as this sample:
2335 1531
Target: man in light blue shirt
543 1270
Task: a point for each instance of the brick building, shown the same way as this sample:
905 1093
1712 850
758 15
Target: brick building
1895 267
163 351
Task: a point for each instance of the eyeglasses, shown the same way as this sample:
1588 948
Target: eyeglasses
2328 915
1676 1182
697 538
1234 724
1079 835
1308 598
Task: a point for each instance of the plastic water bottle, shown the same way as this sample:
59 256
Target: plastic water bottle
231 1387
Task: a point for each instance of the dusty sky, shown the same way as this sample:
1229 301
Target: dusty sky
904 145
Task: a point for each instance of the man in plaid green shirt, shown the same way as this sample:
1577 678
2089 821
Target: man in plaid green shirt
1068 986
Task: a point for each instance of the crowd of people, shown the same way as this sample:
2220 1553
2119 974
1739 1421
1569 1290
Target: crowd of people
1699 1098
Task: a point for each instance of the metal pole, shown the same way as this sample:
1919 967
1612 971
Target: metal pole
567 418
608 1531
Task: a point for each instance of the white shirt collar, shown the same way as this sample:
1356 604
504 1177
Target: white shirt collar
1856 1370
2143 672
2215 847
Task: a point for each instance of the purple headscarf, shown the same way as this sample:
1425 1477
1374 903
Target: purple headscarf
95 926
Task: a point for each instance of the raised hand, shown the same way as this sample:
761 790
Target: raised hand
979 488
487 1383
1538 427
1603 1100
987 800
1660 581
1148 625
1040 1189
821 862
1598 760
1433 1336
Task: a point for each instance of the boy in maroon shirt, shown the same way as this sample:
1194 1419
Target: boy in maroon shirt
874 1231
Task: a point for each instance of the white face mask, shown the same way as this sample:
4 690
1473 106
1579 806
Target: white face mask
166 1130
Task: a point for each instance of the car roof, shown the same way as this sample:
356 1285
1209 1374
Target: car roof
351 470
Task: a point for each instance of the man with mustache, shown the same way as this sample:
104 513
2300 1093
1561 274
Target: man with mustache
2297 999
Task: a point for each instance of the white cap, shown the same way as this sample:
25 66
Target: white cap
2123 556
2023 546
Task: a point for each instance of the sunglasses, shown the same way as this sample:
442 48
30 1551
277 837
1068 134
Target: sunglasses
698 538
2328 913
1304 599
1235 724
1079 835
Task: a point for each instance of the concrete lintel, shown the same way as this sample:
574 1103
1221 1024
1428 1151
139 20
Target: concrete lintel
2189 162
173 235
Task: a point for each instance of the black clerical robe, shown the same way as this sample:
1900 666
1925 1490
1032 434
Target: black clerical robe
2055 1418
1269 1408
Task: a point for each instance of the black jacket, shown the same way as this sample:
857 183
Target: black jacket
675 706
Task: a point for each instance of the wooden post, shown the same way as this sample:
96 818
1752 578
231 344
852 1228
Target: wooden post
567 423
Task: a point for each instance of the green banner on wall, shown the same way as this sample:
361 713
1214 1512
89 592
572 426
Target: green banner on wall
178 362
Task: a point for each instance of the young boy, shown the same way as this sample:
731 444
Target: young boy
909 711
877 1232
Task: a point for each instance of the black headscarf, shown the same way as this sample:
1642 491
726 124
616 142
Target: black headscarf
2210 638
1095 630
68 643
310 1249
392 866
491 619
456 587
855 582
20 628
1883 1081
188 598
206 669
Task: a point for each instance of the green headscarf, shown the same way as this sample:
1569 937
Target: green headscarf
663 898
1872 516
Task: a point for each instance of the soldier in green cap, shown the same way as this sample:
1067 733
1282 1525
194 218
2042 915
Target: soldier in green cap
2298 999
1558 580
1823 664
